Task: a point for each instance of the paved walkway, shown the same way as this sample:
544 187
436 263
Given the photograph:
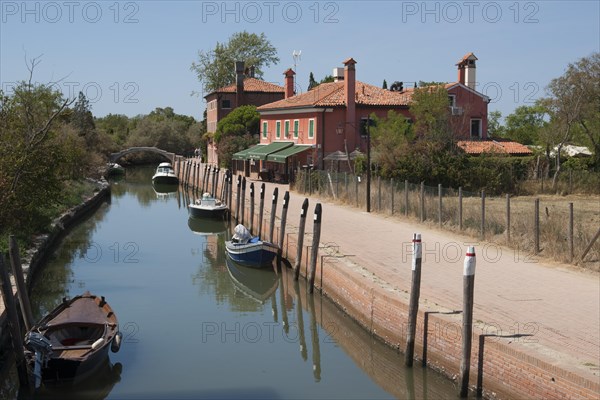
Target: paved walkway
558 305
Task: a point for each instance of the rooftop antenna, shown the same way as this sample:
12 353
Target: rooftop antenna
297 55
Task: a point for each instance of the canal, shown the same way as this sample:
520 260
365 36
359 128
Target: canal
195 326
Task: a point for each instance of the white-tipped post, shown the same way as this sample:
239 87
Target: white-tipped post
467 331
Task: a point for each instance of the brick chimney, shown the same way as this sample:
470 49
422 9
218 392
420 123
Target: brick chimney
350 91
239 83
466 70
289 82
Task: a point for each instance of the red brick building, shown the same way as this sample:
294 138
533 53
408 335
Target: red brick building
247 90
304 129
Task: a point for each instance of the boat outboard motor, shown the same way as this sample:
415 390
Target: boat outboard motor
42 347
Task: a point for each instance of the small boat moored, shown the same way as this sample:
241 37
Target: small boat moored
165 175
114 169
248 250
207 207
72 341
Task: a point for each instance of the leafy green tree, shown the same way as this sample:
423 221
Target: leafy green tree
30 154
327 79
495 128
431 113
237 131
391 138
311 81
574 107
116 126
385 85
524 125
215 68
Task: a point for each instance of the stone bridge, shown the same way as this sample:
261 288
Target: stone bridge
114 157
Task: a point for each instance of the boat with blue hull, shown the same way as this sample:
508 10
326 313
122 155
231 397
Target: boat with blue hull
250 251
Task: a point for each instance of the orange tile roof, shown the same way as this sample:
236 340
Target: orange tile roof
492 146
253 85
332 94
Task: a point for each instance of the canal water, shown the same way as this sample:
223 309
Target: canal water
195 326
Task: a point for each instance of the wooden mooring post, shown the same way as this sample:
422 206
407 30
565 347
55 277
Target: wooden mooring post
237 197
301 226
14 324
230 192
273 215
314 251
251 223
15 261
261 208
467 324
284 210
214 180
243 205
413 308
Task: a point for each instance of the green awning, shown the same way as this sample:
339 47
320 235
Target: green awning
282 155
261 152
243 155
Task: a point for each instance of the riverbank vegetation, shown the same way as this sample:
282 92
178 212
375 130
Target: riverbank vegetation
52 149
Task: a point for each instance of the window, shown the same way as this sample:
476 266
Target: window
452 100
278 129
475 128
225 103
265 126
296 126
311 128
286 132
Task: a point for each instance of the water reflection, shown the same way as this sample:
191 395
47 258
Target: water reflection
257 283
94 387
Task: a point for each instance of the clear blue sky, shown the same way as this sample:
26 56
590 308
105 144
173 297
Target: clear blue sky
130 57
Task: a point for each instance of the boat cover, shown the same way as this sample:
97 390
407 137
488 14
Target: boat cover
241 234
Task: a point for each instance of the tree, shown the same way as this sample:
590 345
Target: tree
327 79
430 109
524 125
311 81
574 104
384 86
390 140
215 68
495 129
237 131
31 157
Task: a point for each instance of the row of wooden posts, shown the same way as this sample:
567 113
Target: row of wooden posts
189 172
13 306
468 272
467 311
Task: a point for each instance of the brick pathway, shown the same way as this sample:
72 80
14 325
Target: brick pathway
558 305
